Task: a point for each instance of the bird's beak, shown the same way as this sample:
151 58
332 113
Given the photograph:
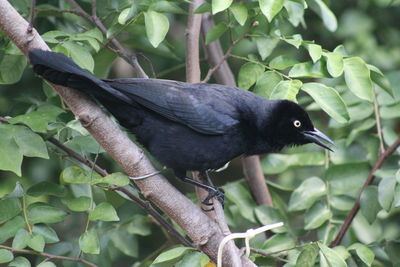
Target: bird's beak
315 136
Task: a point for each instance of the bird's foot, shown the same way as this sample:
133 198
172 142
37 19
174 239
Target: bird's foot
216 192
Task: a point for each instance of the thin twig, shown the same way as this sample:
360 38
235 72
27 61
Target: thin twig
347 222
222 60
47 255
121 51
378 125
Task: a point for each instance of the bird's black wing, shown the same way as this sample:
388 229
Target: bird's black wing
204 111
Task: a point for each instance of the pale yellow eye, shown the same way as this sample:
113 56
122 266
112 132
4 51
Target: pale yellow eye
297 123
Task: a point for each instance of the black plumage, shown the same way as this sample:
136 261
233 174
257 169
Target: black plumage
188 127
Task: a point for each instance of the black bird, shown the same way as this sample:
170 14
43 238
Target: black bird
189 127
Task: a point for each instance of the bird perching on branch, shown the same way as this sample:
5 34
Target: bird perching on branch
189 127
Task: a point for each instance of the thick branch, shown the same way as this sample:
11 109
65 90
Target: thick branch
347 222
223 74
203 231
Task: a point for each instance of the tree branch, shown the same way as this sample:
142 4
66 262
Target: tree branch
47 255
347 222
205 234
223 74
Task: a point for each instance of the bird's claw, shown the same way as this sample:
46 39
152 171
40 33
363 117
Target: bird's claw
218 193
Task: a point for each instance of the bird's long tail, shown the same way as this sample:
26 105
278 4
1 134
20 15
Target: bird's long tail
61 70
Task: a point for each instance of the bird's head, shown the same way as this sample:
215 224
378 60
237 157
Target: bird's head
292 126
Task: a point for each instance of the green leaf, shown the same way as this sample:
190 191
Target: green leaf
329 257
248 74
89 242
20 262
318 214
94 33
241 197
282 62
157 26
357 76
270 8
269 215
30 144
48 233
11 68
104 212
369 203
306 194
275 163
386 190
172 254
220 5
17 192
116 178
278 242
309 70
36 242
203 8
307 256
347 179
380 79
334 64
167 7
6 256
39 119
46 264
286 90
215 32
355 132
9 208
295 11
44 213
240 13
125 242
84 144
77 175
325 13
296 40
140 225
127 14
265 45
341 202
80 55
193 259
392 249
8 146
315 51
266 82
329 100
21 239
77 204
10 228
363 252
46 188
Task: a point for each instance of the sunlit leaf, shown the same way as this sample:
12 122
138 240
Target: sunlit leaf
171 254
248 74
157 26
89 242
270 8
104 212
220 5
363 252
329 100
215 32
286 90
240 13
318 214
330 257
357 76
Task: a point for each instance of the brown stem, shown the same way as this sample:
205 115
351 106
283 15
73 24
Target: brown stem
223 74
347 222
121 51
47 255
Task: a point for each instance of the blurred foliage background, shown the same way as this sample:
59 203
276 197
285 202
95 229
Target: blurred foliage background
339 59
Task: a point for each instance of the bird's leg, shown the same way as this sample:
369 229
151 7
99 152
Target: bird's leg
212 191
